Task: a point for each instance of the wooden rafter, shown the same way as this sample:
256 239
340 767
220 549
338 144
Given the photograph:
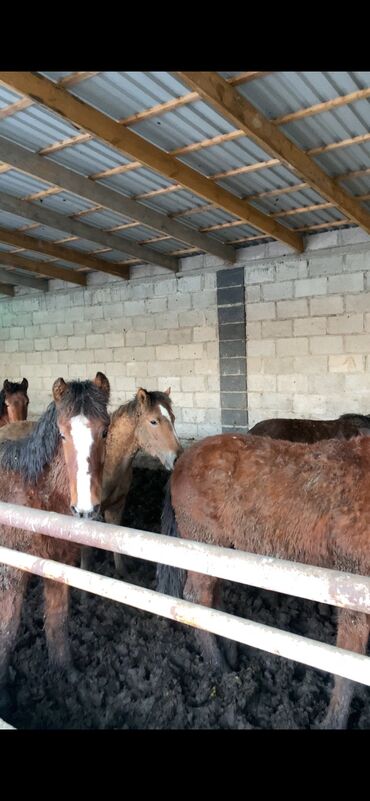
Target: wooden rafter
53 173
106 129
5 289
15 279
43 268
75 78
320 108
61 145
244 115
13 108
58 252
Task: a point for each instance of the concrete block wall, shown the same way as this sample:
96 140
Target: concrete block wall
306 321
151 333
308 335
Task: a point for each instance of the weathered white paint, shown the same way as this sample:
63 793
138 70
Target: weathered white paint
82 439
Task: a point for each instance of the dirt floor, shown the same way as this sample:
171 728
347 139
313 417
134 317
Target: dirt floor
139 671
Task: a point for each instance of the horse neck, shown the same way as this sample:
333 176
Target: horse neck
4 419
54 483
122 445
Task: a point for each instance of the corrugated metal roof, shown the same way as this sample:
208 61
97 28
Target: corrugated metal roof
123 94
36 128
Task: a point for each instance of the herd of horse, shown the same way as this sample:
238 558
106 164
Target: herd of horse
294 489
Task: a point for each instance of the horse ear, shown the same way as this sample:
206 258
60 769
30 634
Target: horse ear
167 391
6 384
24 384
59 388
102 382
142 396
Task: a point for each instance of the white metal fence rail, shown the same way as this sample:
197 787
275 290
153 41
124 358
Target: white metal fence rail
318 584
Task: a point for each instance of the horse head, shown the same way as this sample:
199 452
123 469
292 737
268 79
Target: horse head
155 432
16 400
83 422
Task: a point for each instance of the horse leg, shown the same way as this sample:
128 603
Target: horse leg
353 634
56 598
11 599
87 557
200 589
114 516
229 647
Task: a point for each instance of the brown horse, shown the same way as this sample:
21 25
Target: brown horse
13 402
307 503
296 430
58 467
146 423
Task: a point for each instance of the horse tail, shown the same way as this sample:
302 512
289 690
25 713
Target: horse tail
170 580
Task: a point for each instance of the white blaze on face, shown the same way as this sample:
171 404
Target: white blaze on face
165 414
82 440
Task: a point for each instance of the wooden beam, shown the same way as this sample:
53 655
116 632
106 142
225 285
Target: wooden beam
352 140
47 170
13 108
43 268
68 225
244 115
11 277
110 131
327 105
63 143
183 100
59 252
76 77
5 289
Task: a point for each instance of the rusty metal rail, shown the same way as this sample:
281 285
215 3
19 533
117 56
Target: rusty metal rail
319 584
292 578
282 643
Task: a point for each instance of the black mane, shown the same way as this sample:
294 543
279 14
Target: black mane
30 456
153 399
357 419
12 388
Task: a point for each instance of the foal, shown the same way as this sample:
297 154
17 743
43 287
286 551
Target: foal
59 468
13 402
147 423
307 503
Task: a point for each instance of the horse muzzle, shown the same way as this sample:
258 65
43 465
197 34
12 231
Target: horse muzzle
91 514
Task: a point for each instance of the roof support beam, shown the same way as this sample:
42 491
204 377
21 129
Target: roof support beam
244 115
67 225
10 277
21 240
47 170
88 118
6 290
43 268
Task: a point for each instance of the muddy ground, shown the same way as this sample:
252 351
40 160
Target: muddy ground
139 671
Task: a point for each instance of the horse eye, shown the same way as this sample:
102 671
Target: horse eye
104 434
61 435
154 422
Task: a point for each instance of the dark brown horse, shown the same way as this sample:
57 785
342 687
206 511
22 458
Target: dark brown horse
307 503
297 430
59 468
13 402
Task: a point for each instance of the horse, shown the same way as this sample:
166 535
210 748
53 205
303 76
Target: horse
13 402
57 467
297 430
303 502
146 422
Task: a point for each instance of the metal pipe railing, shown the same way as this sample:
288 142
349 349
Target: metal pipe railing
258 635
292 578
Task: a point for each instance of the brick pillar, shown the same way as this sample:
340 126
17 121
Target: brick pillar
232 347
